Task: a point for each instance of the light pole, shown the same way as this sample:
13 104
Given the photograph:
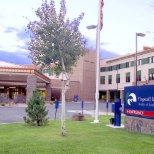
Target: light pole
97 68
89 28
135 63
117 82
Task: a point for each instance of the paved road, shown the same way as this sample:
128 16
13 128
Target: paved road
16 114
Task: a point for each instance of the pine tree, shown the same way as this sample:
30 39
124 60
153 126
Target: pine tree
36 110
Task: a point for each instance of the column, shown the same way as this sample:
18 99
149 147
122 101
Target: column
107 95
19 90
5 89
122 96
31 85
48 92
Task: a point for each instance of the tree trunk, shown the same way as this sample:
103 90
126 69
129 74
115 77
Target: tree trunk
63 129
64 90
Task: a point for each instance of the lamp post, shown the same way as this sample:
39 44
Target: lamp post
99 26
135 63
117 82
97 68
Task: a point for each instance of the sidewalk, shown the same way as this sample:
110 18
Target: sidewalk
92 112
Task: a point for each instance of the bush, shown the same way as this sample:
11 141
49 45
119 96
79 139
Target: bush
36 110
2 104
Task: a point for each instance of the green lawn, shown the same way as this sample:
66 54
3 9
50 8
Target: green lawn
82 138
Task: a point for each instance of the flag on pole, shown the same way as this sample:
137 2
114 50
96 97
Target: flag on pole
101 14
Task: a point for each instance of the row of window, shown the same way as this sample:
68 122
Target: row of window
127 78
128 64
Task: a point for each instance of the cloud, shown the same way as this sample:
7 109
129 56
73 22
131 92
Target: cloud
149 32
104 53
15 57
14 39
151 4
107 54
22 34
10 29
104 43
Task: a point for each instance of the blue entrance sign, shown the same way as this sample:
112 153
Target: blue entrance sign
139 101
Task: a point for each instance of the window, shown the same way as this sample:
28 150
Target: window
118 78
127 64
138 75
152 59
110 68
151 74
102 69
118 66
110 79
132 63
139 62
149 59
128 77
102 80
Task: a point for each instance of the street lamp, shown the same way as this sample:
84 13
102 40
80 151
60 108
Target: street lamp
117 79
99 27
135 63
97 68
91 27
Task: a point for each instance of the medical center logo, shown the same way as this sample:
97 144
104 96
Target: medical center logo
130 98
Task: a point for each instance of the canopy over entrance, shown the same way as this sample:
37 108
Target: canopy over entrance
23 76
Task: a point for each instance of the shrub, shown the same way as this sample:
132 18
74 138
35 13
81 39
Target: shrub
36 110
2 104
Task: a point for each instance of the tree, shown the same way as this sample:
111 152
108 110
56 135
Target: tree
36 110
56 40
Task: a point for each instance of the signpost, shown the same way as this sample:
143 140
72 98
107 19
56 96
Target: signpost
139 101
56 106
82 105
107 106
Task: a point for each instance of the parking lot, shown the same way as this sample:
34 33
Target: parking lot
9 114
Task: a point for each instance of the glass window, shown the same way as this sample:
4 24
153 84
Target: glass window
127 64
102 69
149 59
151 76
128 77
102 80
139 62
110 68
152 59
118 78
138 75
118 66
110 79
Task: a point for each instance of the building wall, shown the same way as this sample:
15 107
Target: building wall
89 76
143 67
128 58
82 79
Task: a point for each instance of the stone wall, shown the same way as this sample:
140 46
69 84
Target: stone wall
31 85
138 124
4 98
48 92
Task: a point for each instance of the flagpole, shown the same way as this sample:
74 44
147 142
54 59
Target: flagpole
97 63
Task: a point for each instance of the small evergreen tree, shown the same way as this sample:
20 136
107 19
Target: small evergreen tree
36 110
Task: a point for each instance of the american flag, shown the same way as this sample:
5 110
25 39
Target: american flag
101 14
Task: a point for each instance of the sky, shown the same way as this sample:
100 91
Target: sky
121 18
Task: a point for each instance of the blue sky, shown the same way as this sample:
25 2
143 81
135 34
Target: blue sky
122 19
